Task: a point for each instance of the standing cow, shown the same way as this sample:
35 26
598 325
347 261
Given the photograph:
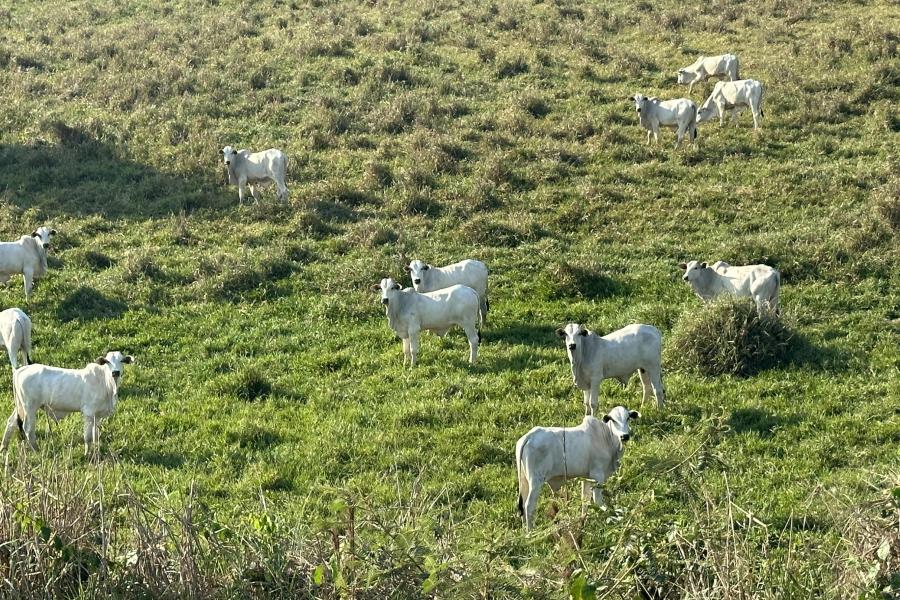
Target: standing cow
15 333
258 169
722 66
473 273
679 114
28 256
617 355
734 96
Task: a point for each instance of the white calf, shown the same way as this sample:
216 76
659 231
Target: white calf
722 66
92 391
679 114
258 169
473 273
616 355
409 312
28 256
733 96
762 283
15 333
555 454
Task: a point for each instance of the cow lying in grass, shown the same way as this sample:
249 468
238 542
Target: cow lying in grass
92 391
410 312
554 455
618 355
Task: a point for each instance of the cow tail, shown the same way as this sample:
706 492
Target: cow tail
523 482
26 342
694 132
18 402
737 68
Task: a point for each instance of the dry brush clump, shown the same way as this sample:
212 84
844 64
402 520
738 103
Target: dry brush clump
729 336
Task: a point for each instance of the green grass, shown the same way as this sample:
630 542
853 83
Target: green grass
269 394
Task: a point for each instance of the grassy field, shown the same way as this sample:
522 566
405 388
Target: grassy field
268 441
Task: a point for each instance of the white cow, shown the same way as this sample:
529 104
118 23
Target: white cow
473 273
27 256
733 96
722 66
15 333
555 454
679 114
258 169
409 312
762 283
617 355
92 391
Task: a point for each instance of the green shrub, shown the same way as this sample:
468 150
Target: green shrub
729 337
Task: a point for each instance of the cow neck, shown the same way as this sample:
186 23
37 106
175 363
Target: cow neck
581 368
615 443
236 159
394 307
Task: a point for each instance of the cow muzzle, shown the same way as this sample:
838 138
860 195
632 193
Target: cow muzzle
384 301
46 246
117 374
417 281
625 437
685 277
227 162
572 347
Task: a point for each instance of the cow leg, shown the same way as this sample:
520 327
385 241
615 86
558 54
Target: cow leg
472 334
679 135
91 433
253 192
586 493
413 346
599 477
405 350
28 428
28 278
649 133
531 503
645 385
242 181
12 357
12 425
282 190
690 88
595 390
656 134
483 309
755 113
655 376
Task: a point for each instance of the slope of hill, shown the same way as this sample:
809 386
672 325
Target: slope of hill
269 441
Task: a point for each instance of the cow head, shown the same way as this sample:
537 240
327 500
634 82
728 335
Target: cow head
692 270
617 421
687 76
228 153
43 235
709 110
574 335
417 272
639 100
388 287
115 361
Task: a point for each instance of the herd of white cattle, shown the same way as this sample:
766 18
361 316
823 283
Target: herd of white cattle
440 298
682 114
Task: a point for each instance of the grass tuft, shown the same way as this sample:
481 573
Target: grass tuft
729 337
248 384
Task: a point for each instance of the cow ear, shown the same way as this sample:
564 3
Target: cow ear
607 418
128 360
397 286
560 332
583 332
221 152
408 269
634 415
52 232
682 266
376 287
703 265
426 267
35 233
102 361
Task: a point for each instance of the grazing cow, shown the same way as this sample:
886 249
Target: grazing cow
722 66
92 391
473 273
258 169
15 333
679 114
555 454
762 283
27 256
733 96
617 355
409 312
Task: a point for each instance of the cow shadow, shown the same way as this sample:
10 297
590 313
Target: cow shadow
89 304
75 174
541 336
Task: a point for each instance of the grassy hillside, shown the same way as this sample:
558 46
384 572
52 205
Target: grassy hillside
268 440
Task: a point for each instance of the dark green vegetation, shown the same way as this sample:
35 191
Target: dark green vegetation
268 439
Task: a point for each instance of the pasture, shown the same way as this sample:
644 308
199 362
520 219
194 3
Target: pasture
268 441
